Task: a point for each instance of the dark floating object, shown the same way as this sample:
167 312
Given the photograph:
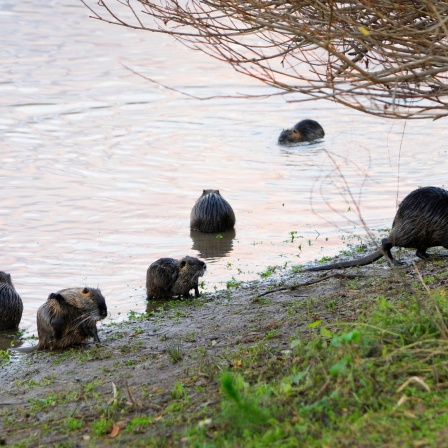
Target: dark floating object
11 305
421 222
303 131
69 317
168 277
212 213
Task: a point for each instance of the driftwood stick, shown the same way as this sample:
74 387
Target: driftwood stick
311 282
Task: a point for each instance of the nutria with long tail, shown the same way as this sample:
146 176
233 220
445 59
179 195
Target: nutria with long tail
11 305
421 222
168 277
69 317
303 131
212 213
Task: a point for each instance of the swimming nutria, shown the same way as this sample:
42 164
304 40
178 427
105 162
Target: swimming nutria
212 213
11 306
421 222
69 317
303 131
168 277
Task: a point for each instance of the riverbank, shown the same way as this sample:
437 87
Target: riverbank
357 359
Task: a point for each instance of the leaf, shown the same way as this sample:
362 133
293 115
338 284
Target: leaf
297 378
364 30
115 431
295 343
314 324
325 332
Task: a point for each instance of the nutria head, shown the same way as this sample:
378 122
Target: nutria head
190 269
89 301
6 278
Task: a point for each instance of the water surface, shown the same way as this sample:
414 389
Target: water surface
100 168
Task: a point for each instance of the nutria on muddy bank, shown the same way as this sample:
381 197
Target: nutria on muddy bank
212 213
303 131
168 277
69 317
421 222
11 305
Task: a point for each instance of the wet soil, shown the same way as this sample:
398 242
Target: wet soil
135 366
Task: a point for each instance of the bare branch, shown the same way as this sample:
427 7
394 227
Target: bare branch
383 57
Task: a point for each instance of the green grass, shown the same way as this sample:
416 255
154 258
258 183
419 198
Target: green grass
378 382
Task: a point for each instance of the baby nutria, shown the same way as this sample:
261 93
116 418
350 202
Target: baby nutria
421 222
168 277
69 317
303 131
212 213
11 306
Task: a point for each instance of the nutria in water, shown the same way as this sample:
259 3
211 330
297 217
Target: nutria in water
11 306
69 317
303 131
421 222
168 277
212 213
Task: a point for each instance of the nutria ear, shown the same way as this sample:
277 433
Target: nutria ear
9 278
56 296
85 290
183 263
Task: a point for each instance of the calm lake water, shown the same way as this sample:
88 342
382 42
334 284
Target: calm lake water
100 168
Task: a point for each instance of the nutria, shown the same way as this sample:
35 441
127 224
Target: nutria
168 277
69 317
421 222
11 306
212 213
303 131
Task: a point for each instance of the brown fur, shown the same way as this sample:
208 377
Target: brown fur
168 277
421 222
11 305
69 317
303 131
212 213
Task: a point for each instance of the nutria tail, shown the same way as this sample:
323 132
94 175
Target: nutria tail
350 263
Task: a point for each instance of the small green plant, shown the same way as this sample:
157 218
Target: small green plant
4 355
190 336
219 236
233 283
269 271
139 424
178 391
174 348
101 427
242 411
72 424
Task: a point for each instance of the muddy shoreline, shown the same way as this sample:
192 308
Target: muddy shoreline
136 367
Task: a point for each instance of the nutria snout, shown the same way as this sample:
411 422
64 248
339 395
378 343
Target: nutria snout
168 277
421 222
11 305
303 131
69 317
212 213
